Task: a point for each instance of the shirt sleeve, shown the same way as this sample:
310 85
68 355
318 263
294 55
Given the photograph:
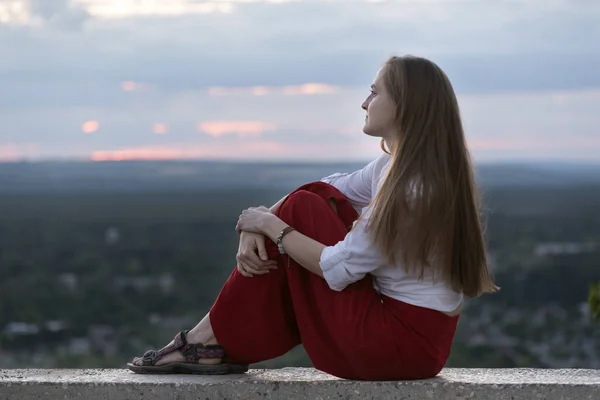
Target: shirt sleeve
351 259
356 186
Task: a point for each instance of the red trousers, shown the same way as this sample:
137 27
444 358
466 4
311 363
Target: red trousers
354 334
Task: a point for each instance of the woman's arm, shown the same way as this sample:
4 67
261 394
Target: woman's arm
340 265
304 250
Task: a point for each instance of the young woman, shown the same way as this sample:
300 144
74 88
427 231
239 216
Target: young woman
371 297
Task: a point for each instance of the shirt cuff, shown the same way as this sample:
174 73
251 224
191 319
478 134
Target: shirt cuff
334 272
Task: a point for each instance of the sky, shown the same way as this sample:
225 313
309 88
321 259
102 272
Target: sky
284 80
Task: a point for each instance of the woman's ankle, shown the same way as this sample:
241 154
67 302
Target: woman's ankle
206 338
202 333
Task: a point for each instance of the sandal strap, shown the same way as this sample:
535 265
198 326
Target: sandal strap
191 351
196 351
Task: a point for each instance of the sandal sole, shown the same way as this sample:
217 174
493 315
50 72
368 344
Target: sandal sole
190 369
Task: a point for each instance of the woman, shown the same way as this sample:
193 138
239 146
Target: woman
375 297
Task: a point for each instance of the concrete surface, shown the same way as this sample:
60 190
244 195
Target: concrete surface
298 383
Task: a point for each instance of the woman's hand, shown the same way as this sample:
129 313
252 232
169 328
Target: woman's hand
254 219
252 255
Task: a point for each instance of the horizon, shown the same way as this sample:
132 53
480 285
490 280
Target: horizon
504 162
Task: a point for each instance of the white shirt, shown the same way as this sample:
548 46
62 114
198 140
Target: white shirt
351 259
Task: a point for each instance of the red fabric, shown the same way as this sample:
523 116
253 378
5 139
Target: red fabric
354 334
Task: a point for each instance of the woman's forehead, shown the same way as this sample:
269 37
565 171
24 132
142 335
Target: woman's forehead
378 77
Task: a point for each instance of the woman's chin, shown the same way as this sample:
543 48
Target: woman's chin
368 131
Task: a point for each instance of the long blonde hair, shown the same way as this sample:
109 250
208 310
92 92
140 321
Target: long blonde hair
427 213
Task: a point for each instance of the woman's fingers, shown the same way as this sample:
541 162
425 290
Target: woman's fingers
261 248
250 268
255 271
270 264
255 262
242 270
248 271
262 257
242 267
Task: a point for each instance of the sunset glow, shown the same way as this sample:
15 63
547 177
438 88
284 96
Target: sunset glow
214 151
90 126
128 86
17 151
131 86
255 150
146 153
273 150
307 89
160 129
240 128
260 91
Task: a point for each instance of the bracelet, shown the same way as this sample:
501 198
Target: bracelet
284 232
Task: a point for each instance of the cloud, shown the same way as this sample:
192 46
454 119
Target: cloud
61 14
136 8
150 73
484 46
90 126
307 89
239 128
160 128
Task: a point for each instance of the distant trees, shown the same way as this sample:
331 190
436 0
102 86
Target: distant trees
594 301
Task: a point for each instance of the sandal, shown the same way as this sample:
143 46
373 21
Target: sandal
192 353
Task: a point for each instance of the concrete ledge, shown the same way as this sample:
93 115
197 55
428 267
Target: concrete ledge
298 383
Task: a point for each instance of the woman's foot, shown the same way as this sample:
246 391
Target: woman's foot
190 352
182 357
178 357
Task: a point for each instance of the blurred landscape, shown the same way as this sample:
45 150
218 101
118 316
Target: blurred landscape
100 261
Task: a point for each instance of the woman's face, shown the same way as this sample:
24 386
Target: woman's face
380 108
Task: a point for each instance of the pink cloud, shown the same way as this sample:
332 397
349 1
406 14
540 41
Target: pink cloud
90 126
131 86
307 89
160 128
239 128
181 152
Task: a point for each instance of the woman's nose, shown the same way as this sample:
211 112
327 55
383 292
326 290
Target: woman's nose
364 105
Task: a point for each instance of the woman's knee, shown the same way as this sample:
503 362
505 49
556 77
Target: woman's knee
303 197
306 198
312 214
302 203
